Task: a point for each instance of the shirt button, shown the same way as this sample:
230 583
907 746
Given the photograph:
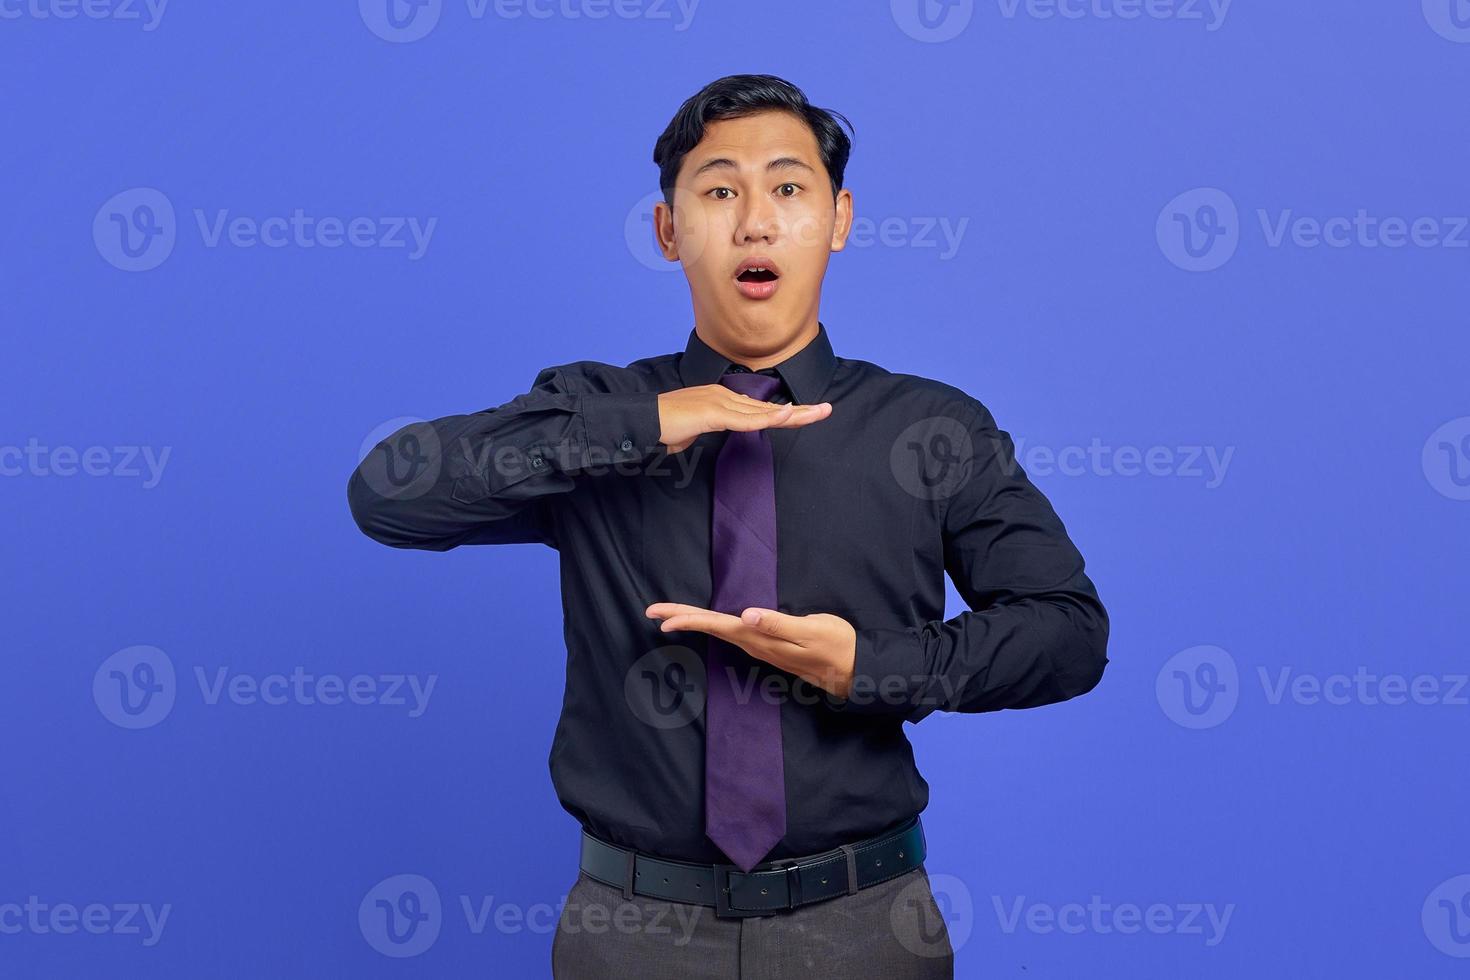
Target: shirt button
537 462
626 445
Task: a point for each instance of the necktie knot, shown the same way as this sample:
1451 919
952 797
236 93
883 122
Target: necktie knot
749 383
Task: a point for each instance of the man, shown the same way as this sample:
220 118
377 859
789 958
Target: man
754 535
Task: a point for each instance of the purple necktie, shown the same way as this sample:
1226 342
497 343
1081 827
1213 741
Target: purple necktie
744 779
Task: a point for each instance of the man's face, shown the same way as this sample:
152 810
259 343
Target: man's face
754 189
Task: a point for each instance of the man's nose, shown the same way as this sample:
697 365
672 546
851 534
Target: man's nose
759 220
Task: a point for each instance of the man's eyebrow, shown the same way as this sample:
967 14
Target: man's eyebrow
779 163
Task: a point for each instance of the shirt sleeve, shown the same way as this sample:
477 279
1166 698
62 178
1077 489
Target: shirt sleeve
1035 633
491 477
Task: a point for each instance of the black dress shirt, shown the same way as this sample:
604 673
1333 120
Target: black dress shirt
907 480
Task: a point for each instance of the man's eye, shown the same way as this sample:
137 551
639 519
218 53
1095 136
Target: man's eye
717 190
794 189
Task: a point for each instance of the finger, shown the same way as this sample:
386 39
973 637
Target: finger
770 622
663 610
722 625
755 405
749 421
803 415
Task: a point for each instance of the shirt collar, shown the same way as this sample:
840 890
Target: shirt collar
806 373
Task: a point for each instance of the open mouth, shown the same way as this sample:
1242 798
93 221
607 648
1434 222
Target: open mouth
756 278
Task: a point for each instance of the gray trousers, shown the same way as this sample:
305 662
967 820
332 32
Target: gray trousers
893 930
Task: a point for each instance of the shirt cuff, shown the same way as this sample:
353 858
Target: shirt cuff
621 426
887 673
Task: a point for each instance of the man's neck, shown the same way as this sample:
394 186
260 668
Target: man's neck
758 359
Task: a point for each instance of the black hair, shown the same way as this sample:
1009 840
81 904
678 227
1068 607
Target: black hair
735 96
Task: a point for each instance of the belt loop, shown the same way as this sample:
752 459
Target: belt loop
852 884
628 874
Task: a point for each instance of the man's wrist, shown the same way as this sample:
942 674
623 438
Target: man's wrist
621 426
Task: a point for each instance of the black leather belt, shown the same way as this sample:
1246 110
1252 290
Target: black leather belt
766 889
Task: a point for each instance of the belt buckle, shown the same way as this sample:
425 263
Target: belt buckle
723 909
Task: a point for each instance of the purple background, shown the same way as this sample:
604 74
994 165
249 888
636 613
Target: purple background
1333 540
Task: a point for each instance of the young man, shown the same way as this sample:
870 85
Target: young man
754 535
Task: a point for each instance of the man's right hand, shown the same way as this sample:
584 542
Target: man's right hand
687 413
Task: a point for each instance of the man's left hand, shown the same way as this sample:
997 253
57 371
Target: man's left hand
820 648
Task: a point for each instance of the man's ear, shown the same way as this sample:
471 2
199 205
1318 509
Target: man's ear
663 230
842 224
